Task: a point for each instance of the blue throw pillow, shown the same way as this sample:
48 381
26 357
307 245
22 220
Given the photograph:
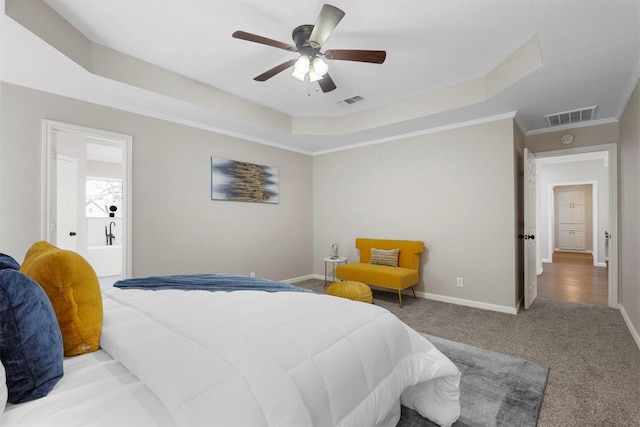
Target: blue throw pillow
8 262
30 339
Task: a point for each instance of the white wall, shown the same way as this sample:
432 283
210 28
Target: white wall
455 190
572 173
177 228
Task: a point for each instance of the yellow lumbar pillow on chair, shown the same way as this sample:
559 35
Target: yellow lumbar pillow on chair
74 290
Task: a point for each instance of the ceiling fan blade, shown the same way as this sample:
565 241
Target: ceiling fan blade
326 83
275 70
327 21
243 35
373 56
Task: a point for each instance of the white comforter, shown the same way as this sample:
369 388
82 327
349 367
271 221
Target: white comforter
253 358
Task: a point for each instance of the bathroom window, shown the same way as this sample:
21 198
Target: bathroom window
102 193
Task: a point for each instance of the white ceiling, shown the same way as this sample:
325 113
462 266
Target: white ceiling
590 54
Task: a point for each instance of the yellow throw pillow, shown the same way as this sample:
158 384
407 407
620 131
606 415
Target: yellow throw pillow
73 288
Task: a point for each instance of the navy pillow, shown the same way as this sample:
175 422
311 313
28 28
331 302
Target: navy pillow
30 339
8 262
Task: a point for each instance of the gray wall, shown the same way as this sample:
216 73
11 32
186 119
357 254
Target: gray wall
606 133
176 227
455 190
630 212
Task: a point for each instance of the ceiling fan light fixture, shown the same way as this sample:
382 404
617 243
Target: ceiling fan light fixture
297 74
314 76
302 64
309 40
301 68
320 67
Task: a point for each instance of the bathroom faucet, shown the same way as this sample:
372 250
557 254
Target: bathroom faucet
109 234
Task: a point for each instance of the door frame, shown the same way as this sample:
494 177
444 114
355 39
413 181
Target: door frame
612 149
49 129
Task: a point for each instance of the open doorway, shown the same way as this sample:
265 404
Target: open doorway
578 211
86 206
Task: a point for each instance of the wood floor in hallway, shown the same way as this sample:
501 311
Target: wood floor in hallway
572 277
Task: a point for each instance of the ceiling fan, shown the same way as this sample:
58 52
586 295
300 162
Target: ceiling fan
308 41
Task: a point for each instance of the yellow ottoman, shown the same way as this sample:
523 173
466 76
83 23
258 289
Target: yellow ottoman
356 291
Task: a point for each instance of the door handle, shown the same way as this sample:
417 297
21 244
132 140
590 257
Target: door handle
72 233
526 236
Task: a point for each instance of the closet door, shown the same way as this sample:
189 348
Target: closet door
578 210
572 220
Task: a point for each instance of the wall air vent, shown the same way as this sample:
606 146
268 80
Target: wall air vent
352 100
569 117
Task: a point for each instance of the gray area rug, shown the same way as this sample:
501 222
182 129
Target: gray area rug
495 389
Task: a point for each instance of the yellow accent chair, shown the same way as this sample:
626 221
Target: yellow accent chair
405 275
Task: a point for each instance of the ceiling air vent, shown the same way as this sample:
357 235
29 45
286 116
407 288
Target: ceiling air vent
351 100
569 117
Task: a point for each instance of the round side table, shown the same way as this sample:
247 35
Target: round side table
335 261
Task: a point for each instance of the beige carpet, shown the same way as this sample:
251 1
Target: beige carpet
594 377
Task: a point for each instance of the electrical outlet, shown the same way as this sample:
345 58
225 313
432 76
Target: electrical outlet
252 274
460 282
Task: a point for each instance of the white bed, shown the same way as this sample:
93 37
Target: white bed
190 358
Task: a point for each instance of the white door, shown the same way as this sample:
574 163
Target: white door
565 240
529 236
579 210
66 193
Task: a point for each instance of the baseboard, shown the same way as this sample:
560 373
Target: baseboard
600 264
303 278
469 303
547 260
424 295
632 329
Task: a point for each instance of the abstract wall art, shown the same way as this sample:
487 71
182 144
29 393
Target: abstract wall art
243 182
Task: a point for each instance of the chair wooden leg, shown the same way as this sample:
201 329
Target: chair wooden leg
400 298
414 292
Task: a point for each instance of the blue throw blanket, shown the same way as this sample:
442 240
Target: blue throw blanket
208 282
